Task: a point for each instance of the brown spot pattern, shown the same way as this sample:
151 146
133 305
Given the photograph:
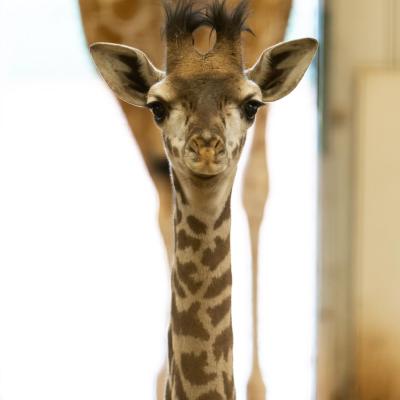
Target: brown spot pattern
187 323
225 214
196 225
184 240
179 390
211 258
193 368
213 395
223 344
178 287
125 9
218 312
185 274
218 285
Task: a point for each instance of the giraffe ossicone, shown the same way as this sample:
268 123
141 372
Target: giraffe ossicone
203 104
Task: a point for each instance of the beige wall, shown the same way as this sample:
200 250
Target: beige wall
359 263
376 254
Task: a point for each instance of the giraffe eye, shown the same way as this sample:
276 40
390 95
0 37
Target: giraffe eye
158 109
250 109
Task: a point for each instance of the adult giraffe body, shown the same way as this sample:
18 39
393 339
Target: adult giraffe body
138 23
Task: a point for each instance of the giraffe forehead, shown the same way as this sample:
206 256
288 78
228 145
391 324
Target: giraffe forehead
206 88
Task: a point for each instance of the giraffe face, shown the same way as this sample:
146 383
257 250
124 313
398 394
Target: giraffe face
204 119
205 104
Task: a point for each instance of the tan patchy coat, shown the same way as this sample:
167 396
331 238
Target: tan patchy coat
138 23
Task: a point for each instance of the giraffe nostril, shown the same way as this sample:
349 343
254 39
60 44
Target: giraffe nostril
220 152
215 143
193 146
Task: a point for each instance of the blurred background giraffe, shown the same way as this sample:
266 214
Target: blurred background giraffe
138 23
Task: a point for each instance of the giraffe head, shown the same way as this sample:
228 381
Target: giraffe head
204 103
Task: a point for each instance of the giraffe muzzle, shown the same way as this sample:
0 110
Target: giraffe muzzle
205 155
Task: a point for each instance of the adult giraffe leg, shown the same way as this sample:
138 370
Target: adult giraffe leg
149 141
255 193
269 20
137 23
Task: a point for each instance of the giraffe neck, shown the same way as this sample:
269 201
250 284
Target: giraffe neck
200 337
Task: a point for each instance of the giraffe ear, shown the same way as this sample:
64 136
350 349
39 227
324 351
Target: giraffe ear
281 67
127 71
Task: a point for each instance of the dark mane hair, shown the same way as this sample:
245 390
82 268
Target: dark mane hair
182 19
228 24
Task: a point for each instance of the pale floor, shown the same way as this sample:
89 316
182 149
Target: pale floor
83 280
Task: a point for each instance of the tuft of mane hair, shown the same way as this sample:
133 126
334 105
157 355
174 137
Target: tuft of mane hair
181 18
228 24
